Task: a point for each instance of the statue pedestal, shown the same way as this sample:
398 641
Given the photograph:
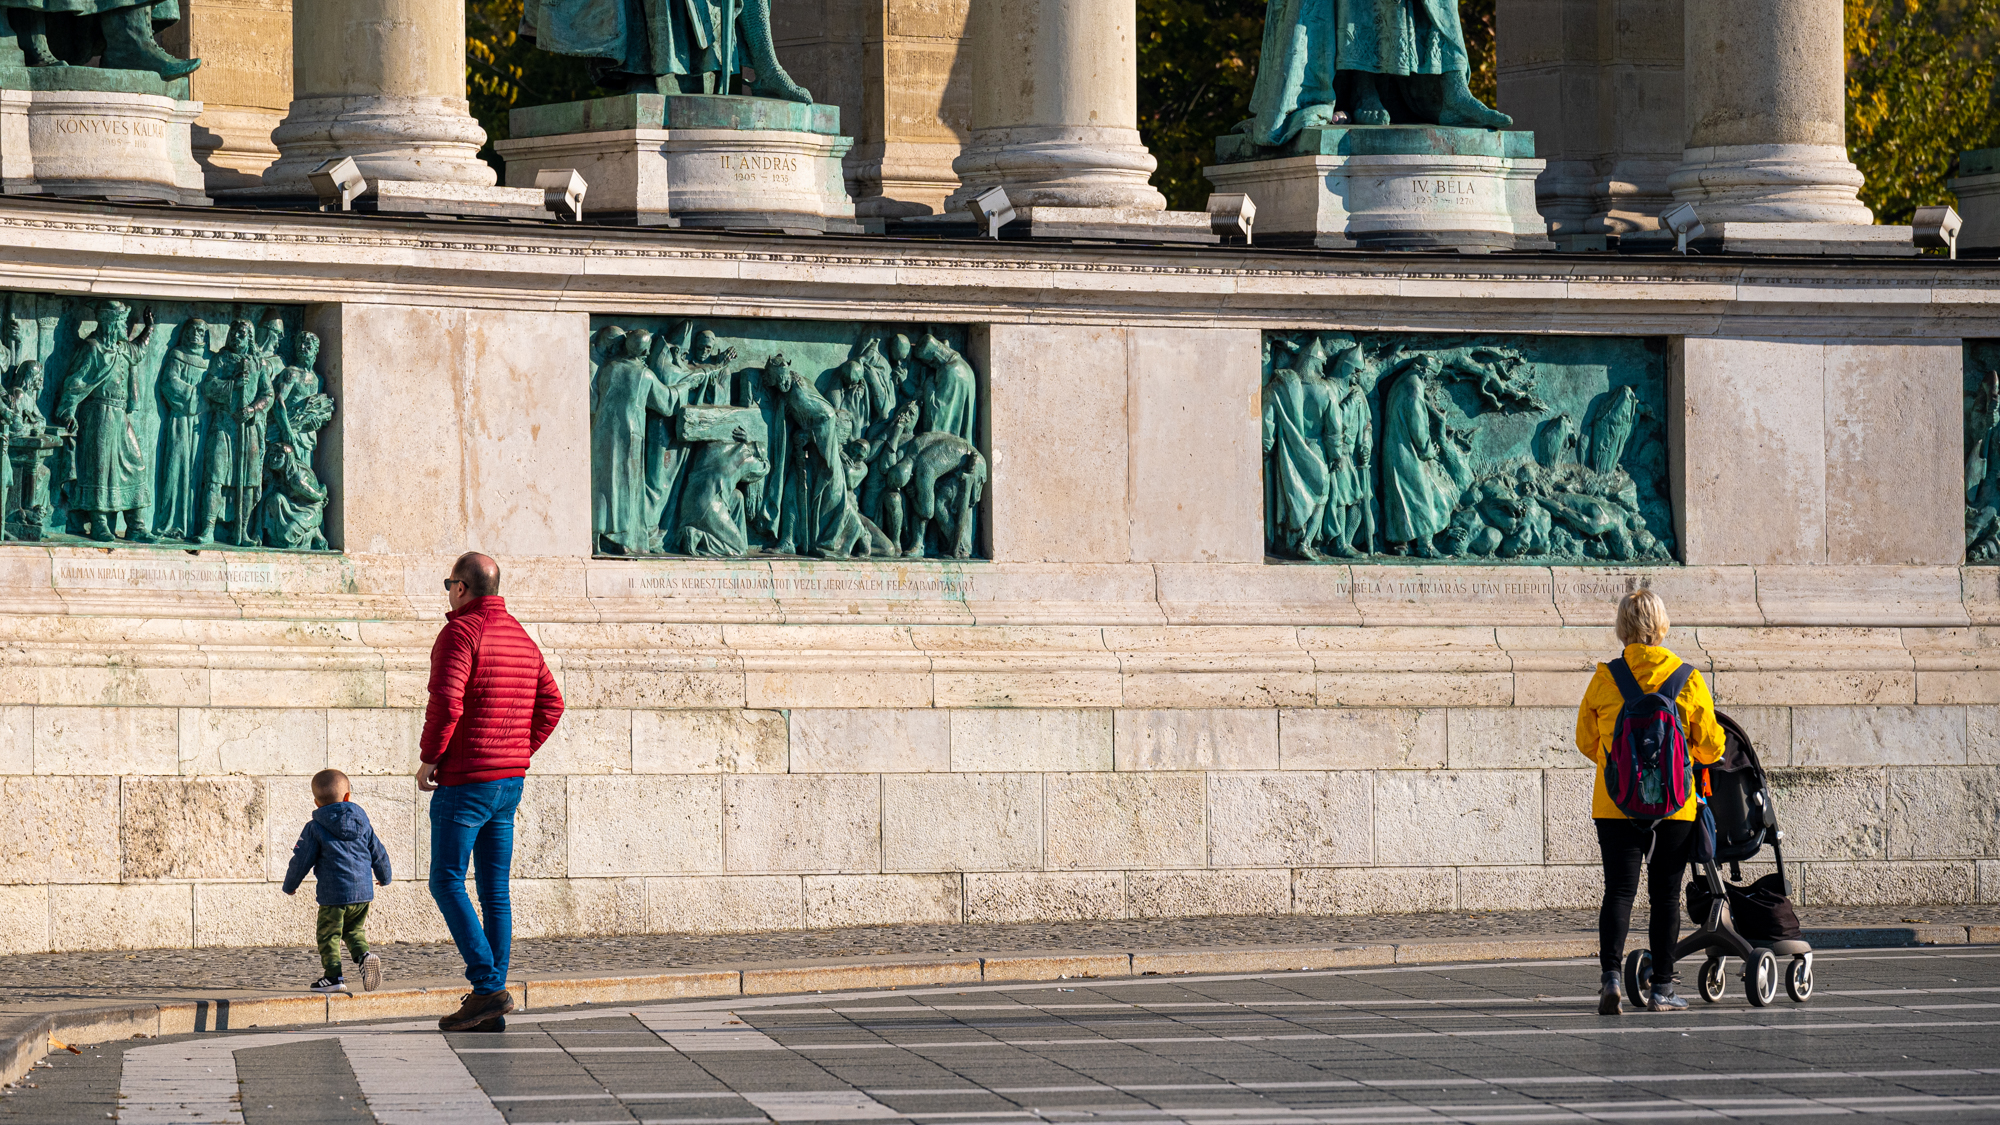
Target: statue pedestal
694 160
111 134
1978 191
1389 187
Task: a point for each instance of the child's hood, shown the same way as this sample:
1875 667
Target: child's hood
342 820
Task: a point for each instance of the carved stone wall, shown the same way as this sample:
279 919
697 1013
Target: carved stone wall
1982 451
1470 448
726 438
161 422
1123 712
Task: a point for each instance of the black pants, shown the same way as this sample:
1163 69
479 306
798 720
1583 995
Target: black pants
1623 844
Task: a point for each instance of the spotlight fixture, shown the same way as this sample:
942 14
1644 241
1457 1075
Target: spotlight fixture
1231 216
1684 224
563 190
994 211
338 182
1936 227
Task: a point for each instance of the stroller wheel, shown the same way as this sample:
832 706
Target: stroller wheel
1760 978
1638 975
1799 980
1712 982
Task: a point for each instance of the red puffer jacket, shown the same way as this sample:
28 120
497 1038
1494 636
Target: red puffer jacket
493 701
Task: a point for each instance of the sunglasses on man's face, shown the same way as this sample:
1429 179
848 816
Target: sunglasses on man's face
450 582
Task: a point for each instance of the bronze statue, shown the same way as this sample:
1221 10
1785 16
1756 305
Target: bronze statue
118 33
668 46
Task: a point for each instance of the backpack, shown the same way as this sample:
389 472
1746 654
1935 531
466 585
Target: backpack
1646 770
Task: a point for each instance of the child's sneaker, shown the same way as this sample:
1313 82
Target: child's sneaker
330 984
371 972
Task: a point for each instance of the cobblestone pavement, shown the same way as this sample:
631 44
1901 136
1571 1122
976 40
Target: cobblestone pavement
83 975
1906 1035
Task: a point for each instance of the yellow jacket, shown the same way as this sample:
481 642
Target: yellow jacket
1598 714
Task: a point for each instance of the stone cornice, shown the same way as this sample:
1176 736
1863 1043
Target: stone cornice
246 255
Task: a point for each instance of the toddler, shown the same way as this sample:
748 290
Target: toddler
342 845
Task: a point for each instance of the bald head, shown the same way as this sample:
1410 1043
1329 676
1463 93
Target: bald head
480 574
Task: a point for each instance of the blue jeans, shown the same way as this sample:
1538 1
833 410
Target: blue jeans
476 822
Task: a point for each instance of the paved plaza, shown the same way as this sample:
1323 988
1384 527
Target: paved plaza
1891 1035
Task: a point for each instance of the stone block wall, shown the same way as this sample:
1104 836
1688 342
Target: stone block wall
1126 712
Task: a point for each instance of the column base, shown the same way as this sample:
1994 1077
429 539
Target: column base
1770 184
415 139
233 146
1058 166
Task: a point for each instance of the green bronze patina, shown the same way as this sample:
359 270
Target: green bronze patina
1982 450
674 111
726 438
58 35
668 46
1469 448
1382 140
1371 62
160 422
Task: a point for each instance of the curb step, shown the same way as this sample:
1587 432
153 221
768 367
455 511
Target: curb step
25 1039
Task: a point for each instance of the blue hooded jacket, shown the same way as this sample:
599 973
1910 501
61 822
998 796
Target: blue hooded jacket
341 843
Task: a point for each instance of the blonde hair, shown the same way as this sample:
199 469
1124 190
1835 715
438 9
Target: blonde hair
1642 618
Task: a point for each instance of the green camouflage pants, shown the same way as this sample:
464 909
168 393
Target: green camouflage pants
335 923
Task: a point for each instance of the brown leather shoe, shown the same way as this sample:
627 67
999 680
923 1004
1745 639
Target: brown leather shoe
477 1008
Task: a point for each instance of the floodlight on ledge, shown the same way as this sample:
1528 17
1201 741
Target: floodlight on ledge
1684 223
1231 216
338 183
1934 228
563 190
994 211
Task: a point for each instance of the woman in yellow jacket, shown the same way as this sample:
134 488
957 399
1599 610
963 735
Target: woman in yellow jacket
1623 842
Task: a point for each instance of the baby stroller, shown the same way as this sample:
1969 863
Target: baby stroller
1753 923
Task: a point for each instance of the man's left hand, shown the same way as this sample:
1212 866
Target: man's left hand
424 773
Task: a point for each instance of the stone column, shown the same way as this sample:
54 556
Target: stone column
1766 101
1055 106
244 84
1599 84
897 70
382 81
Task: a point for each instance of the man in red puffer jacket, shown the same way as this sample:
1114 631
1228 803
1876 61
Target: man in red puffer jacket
493 703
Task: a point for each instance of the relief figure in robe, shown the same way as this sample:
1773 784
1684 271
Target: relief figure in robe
626 400
302 409
949 391
239 397
99 403
666 46
293 514
1296 480
177 498
1418 490
1349 441
714 515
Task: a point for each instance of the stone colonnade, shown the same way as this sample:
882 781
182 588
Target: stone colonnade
1736 107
